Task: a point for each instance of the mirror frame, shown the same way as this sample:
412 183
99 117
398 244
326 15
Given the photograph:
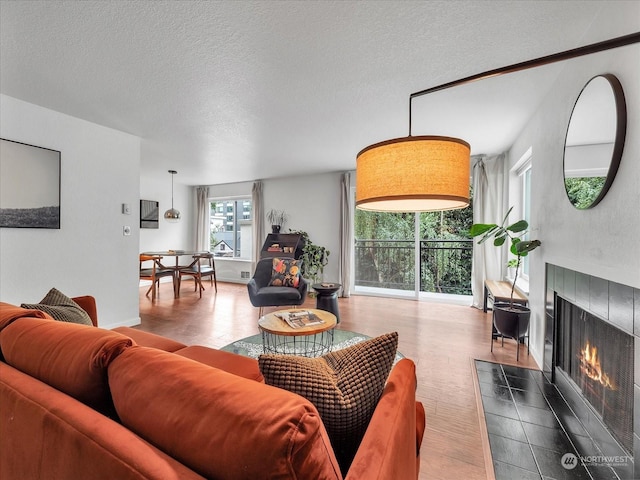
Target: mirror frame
618 146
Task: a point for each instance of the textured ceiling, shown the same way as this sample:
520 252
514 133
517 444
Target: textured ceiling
239 90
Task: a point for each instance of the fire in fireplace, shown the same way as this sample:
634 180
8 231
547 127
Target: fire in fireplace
591 367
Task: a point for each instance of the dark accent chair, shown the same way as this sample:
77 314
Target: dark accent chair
202 266
262 295
155 272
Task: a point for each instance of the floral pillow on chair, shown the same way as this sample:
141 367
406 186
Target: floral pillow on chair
286 273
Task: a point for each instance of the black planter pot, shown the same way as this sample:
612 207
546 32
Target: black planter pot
275 228
511 322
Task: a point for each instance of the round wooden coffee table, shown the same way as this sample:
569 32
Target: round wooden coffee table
307 341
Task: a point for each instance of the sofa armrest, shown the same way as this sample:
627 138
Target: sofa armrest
389 446
229 362
148 339
88 304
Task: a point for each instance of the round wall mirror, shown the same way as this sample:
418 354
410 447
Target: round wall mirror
594 141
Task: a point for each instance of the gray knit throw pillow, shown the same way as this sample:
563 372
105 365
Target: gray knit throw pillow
61 308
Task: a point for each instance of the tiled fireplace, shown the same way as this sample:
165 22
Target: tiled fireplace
592 354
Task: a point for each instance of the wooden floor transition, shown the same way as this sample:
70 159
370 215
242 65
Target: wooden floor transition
441 339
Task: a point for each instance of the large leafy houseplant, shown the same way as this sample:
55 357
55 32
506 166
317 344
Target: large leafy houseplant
507 232
314 257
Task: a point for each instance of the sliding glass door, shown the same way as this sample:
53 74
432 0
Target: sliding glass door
409 253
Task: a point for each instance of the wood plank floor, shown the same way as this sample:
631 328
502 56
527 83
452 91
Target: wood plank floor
441 339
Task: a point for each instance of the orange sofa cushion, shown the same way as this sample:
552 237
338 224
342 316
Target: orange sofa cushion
46 434
88 304
70 357
221 425
9 313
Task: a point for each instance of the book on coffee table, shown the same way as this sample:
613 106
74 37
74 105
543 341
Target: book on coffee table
300 318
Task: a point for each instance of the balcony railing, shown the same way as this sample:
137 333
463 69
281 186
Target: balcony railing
445 265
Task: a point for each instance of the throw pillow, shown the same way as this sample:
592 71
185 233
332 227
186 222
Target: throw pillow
344 385
61 308
286 273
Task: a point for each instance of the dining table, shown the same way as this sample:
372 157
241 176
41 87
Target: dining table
177 254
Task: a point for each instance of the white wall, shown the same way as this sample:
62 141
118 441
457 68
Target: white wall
601 241
88 255
312 203
168 236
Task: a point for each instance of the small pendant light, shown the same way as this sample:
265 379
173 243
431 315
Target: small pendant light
172 215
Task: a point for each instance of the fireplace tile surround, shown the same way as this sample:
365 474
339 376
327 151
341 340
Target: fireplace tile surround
616 304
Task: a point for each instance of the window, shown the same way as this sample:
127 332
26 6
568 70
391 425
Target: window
523 171
526 211
230 227
413 252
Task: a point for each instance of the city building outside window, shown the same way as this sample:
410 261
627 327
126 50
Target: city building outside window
230 227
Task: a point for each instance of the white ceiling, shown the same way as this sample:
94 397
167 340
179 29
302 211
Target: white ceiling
239 90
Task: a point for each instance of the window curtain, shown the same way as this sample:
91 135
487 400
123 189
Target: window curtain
202 219
257 203
344 265
488 207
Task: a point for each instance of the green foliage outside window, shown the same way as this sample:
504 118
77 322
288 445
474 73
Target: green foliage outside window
385 250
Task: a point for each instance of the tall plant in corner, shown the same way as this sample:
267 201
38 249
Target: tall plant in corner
314 257
503 232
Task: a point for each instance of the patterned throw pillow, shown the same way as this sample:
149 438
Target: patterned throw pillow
344 385
286 273
61 308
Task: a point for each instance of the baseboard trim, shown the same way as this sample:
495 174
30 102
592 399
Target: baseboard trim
132 322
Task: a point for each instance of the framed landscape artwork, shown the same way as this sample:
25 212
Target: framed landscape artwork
29 186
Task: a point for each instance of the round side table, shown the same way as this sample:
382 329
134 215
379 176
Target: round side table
308 341
327 297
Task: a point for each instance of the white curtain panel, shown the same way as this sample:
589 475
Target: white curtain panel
257 203
346 222
488 207
202 219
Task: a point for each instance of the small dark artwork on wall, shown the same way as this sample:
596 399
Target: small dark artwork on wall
29 186
149 214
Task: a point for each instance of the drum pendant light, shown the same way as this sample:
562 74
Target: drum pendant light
172 215
413 174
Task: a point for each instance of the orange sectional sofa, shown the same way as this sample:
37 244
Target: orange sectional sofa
84 402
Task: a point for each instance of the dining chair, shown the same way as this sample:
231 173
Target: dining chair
155 273
202 265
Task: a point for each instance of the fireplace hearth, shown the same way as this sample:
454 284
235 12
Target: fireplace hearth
592 355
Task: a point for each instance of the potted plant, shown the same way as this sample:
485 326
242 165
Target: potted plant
511 320
277 219
314 258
